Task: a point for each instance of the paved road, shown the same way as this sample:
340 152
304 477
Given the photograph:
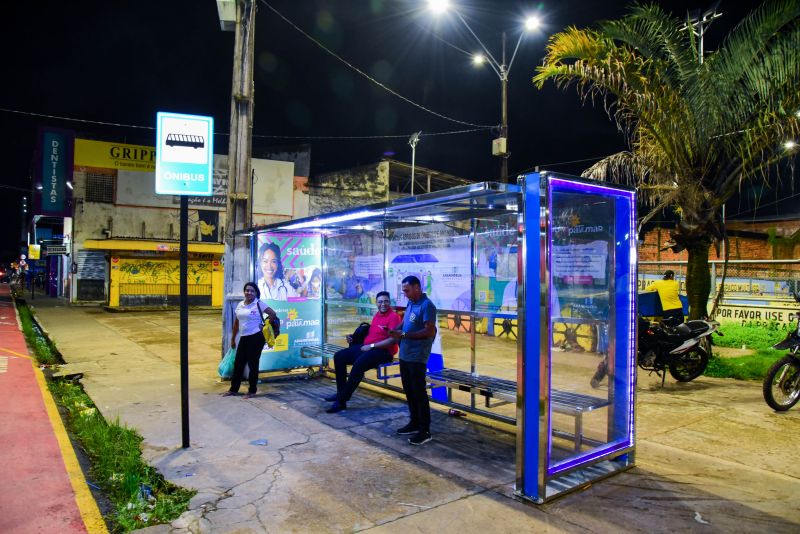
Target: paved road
41 487
711 457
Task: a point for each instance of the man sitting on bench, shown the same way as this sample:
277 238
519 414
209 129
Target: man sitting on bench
378 348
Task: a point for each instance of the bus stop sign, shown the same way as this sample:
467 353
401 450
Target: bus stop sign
184 154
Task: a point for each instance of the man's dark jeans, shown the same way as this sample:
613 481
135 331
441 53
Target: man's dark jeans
361 362
414 384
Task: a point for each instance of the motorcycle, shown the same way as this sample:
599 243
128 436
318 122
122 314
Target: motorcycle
782 384
683 350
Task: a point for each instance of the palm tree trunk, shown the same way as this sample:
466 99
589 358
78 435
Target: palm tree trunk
698 280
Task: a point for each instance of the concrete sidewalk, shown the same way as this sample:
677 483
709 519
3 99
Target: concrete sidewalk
711 457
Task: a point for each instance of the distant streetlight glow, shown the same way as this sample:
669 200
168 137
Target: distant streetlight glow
478 59
531 23
438 6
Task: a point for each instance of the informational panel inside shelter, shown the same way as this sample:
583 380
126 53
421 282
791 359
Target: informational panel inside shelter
439 256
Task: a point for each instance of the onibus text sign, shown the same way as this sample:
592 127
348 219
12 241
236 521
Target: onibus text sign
184 154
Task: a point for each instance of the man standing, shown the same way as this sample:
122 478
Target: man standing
417 335
668 293
378 348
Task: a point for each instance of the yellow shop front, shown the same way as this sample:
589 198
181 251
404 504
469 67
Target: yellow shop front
147 272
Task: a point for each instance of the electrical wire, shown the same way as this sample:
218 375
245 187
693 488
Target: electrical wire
553 164
276 136
347 137
370 78
728 216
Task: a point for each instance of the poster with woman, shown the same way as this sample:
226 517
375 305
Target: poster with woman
288 273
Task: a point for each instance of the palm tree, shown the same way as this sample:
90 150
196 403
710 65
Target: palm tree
697 127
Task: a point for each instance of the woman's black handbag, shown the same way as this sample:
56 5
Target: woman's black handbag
360 334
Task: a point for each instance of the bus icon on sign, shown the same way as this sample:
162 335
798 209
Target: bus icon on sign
191 141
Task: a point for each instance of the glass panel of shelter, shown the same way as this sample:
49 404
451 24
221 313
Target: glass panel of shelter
584 241
353 275
477 312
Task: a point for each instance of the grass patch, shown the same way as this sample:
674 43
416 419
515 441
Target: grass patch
761 337
752 366
140 494
45 353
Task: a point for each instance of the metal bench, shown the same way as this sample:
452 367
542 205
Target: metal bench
564 402
326 352
498 389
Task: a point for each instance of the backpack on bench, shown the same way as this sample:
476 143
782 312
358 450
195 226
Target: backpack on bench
360 334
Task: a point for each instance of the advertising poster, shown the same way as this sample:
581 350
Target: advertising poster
289 276
355 267
496 274
440 257
582 235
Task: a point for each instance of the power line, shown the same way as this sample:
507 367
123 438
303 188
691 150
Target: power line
367 76
762 206
553 164
4 186
275 136
393 136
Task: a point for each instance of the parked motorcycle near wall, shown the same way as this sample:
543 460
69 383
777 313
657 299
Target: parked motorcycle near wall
682 350
782 384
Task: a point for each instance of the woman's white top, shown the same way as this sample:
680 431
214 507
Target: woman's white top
280 291
249 319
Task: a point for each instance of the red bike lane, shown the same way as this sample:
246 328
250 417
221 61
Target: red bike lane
42 488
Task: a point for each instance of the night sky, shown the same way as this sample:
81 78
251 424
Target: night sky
121 62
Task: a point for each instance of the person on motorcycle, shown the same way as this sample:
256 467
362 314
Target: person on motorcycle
668 292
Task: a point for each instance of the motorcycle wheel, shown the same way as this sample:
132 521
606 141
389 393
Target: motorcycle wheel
689 365
782 384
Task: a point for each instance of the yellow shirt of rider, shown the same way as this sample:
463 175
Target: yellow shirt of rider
668 293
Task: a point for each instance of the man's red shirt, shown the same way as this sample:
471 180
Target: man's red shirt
376 334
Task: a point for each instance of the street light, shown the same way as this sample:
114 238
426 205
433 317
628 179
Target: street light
412 142
500 68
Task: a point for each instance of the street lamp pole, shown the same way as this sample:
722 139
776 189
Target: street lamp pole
501 69
504 115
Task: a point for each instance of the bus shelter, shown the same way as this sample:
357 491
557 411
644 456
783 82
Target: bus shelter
535 284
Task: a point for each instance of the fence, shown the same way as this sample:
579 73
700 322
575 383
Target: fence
758 293
163 294
749 280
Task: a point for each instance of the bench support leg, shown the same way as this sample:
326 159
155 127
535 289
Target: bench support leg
578 431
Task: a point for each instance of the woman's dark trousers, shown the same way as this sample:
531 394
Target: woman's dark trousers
361 362
247 353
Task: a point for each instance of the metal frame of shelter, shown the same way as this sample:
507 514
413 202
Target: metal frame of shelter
576 248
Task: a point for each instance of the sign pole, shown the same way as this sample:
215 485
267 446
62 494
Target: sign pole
184 167
184 268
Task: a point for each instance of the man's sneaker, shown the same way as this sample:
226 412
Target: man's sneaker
420 437
410 428
337 407
331 398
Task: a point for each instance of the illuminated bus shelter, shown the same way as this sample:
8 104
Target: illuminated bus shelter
535 284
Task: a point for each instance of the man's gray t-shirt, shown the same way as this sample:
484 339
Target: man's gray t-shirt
417 314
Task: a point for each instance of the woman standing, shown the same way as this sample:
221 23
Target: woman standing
249 321
272 284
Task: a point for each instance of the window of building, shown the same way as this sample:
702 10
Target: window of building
100 188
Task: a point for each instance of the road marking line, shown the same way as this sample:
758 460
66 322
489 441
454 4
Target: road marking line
16 354
92 518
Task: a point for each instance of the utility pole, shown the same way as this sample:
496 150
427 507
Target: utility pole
240 186
504 115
